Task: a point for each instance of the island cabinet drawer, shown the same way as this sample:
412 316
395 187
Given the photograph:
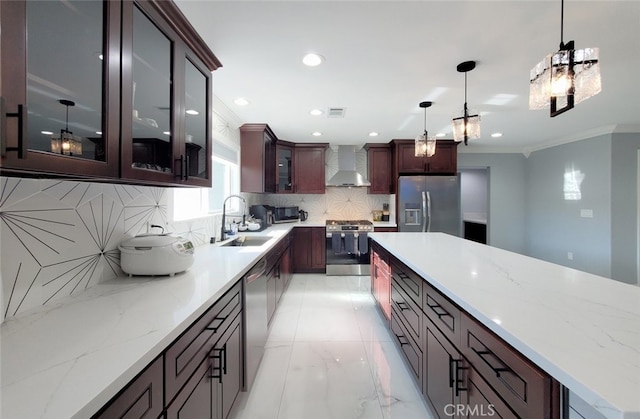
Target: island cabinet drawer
410 349
193 346
522 385
408 310
410 282
443 313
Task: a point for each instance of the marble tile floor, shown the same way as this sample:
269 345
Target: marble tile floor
329 356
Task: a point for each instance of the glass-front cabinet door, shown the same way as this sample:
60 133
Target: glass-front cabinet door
197 99
148 85
284 160
60 86
166 131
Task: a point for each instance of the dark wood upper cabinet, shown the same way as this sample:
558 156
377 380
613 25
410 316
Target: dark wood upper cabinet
257 158
444 162
284 167
380 169
309 173
126 95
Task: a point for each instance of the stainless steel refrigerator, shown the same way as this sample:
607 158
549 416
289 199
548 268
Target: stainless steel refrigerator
429 203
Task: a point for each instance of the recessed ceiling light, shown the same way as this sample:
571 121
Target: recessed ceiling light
316 134
167 133
312 59
315 112
192 112
241 101
99 132
46 132
496 135
441 134
373 134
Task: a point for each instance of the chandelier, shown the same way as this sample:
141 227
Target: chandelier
467 126
425 145
565 78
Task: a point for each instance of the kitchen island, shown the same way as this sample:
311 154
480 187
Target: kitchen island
581 329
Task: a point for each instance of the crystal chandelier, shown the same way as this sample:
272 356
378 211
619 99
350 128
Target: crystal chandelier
425 145
66 143
565 78
467 126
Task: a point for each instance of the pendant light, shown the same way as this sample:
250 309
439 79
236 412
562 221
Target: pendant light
66 143
467 126
425 145
565 78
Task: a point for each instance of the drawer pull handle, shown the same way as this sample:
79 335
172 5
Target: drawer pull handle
215 327
497 370
219 357
457 379
402 305
451 368
436 307
403 340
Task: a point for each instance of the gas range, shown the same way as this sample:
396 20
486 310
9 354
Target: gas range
349 225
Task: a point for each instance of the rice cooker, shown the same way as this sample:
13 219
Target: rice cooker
155 254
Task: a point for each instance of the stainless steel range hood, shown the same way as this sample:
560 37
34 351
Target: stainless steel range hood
347 175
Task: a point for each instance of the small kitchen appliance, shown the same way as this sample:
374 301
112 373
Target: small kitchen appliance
155 254
286 214
303 215
262 213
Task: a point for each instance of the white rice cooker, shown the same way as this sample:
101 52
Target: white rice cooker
155 254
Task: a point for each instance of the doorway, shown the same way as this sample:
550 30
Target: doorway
474 204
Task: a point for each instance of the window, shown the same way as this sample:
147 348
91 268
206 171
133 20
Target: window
191 203
226 178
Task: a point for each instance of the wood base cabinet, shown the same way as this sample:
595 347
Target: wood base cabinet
309 253
198 376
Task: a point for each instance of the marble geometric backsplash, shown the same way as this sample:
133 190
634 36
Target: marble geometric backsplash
58 238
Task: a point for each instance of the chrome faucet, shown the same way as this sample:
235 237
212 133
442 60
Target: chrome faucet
223 233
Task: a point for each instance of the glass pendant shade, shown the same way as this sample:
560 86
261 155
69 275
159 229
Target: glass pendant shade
466 128
565 78
425 145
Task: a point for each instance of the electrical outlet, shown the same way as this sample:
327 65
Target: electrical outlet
570 255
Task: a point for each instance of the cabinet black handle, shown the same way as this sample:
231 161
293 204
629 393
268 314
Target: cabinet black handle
219 321
484 354
22 144
457 379
402 339
186 170
218 357
440 314
402 305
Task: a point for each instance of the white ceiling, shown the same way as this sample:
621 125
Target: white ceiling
382 58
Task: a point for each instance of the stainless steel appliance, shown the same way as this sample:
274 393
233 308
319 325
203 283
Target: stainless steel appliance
347 247
255 312
286 214
429 203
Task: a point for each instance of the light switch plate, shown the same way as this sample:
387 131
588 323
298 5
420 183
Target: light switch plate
586 213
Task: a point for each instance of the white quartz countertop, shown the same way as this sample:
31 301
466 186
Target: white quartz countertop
582 329
68 360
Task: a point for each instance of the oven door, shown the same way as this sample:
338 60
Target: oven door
347 253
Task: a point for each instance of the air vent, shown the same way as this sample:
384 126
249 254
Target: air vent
336 112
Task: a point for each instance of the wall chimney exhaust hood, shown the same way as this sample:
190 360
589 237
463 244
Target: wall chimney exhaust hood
347 175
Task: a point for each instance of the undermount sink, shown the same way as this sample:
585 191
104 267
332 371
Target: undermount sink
246 241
